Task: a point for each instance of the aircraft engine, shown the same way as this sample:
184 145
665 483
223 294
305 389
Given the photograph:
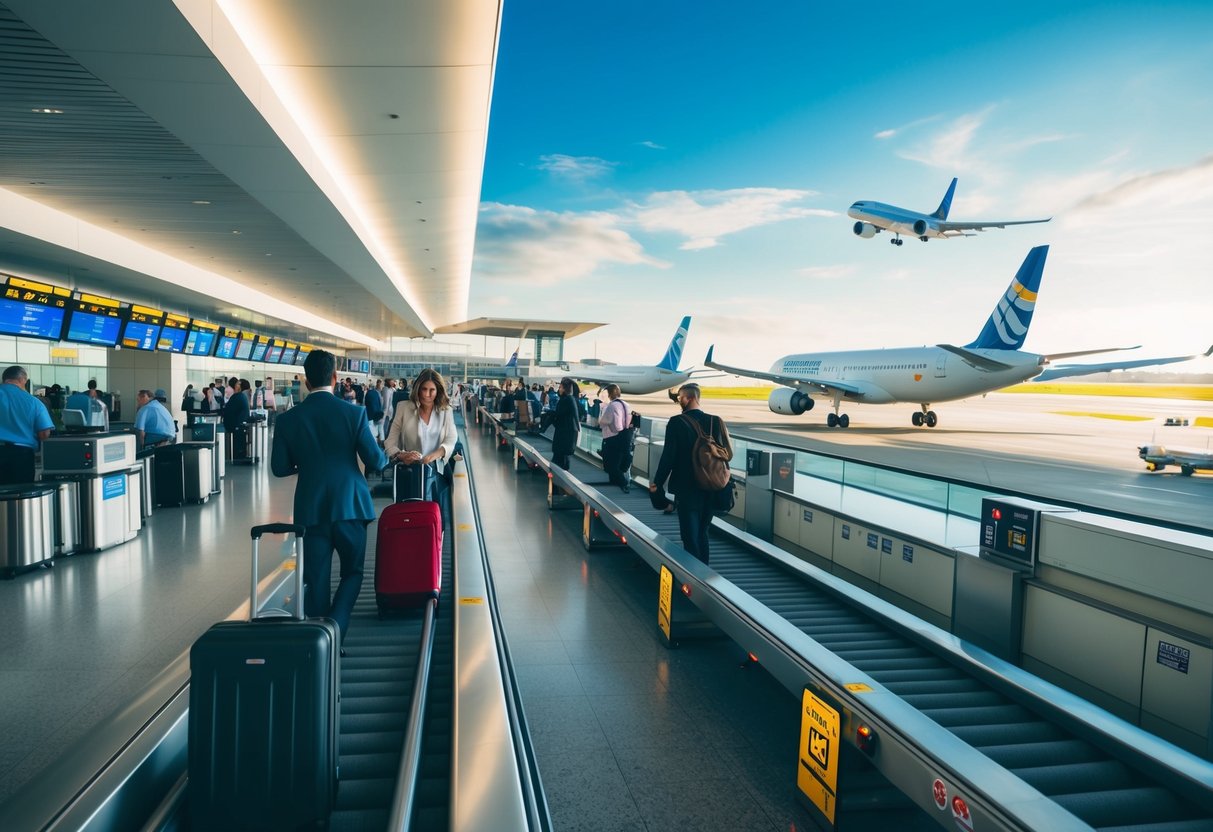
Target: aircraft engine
920 228
865 230
789 402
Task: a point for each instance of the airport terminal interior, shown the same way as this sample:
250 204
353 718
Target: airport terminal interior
1003 622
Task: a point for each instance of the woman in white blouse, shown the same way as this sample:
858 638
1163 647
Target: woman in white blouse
423 428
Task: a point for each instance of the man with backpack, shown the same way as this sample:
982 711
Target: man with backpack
695 460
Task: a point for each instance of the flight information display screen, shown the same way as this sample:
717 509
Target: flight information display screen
301 356
288 353
174 334
201 339
274 354
229 339
244 349
32 310
95 320
142 329
259 348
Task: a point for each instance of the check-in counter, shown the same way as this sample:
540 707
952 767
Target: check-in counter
100 465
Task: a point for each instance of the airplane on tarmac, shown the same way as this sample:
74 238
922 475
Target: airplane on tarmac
637 380
874 217
930 374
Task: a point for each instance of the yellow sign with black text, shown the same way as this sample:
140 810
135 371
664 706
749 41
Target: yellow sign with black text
665 601
817 772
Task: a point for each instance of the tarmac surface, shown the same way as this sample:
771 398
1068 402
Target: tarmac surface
1080 449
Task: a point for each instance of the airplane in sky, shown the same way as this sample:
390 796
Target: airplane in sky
924 375
874 217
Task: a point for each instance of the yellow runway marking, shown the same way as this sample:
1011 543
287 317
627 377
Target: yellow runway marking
1123 417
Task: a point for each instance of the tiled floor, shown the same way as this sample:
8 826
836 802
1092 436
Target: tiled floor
629 735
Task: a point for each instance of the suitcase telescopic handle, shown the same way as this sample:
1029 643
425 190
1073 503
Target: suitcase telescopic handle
277 528
297 545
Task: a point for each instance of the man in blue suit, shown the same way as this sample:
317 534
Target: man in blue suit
321 439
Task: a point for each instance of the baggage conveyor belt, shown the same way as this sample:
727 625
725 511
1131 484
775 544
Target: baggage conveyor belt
1104 773
377 678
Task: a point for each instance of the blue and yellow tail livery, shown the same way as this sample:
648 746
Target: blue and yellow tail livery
1008 324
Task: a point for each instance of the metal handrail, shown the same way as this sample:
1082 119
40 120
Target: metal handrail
404 796
534 798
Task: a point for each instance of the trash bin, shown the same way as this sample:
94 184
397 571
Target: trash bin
27 522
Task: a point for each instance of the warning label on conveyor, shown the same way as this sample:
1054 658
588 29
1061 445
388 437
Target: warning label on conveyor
665 601
817 773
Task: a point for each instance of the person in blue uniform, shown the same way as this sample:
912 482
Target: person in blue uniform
153 423
321 439
24 423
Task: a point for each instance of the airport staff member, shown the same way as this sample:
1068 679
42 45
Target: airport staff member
153 423
694 504
24 422
321 440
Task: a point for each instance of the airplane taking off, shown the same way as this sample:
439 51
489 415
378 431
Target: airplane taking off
638 380
875 217
930 374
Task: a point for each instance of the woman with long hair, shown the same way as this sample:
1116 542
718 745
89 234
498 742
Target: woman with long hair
566 423
423 428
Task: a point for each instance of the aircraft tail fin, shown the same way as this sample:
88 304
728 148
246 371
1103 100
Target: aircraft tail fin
513 362
941 213
1008 324
673 354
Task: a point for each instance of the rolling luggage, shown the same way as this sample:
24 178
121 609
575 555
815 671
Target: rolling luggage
408 554
264 715
412 482
168 466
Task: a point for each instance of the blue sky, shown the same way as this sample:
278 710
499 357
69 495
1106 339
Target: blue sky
649 160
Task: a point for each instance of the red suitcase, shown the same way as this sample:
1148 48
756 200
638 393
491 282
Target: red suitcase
408 555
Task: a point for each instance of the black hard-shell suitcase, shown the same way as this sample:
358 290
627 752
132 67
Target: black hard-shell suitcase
169 476
264 716
413 482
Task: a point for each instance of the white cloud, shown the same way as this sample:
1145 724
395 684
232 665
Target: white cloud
951 148
835 272
651 145
894 131
703 217
535 247
577 168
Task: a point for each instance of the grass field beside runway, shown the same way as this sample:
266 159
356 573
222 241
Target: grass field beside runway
1182 392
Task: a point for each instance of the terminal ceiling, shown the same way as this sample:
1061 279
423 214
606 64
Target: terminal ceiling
305 166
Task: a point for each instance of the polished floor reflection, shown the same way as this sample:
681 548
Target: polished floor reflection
629 735
83 638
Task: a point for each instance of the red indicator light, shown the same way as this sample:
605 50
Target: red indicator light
623 540
595 512
686 590
865 739
996 514
753 658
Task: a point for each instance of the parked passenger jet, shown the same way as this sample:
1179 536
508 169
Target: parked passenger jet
930 374
875 217
638 380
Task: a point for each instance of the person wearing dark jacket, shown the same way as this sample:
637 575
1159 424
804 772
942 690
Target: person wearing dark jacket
694 504
566 424
236 409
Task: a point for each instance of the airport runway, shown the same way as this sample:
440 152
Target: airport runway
1052 446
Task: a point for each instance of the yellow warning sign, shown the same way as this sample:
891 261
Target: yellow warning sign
475 600
817 773
665 600
858 687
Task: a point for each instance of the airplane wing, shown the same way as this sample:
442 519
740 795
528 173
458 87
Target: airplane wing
806 384
1066 371
975 360
948 227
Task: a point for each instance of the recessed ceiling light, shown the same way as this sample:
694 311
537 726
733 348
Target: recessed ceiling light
235 232
48 111
202 202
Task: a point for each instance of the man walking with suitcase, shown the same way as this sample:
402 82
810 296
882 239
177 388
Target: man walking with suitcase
321 440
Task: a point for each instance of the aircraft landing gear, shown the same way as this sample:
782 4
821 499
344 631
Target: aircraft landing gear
926 417
923 238
897 241
834 420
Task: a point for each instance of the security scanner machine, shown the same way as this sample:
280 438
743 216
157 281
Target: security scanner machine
100 464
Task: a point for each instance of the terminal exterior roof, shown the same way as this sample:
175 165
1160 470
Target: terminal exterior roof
515 328
306 167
